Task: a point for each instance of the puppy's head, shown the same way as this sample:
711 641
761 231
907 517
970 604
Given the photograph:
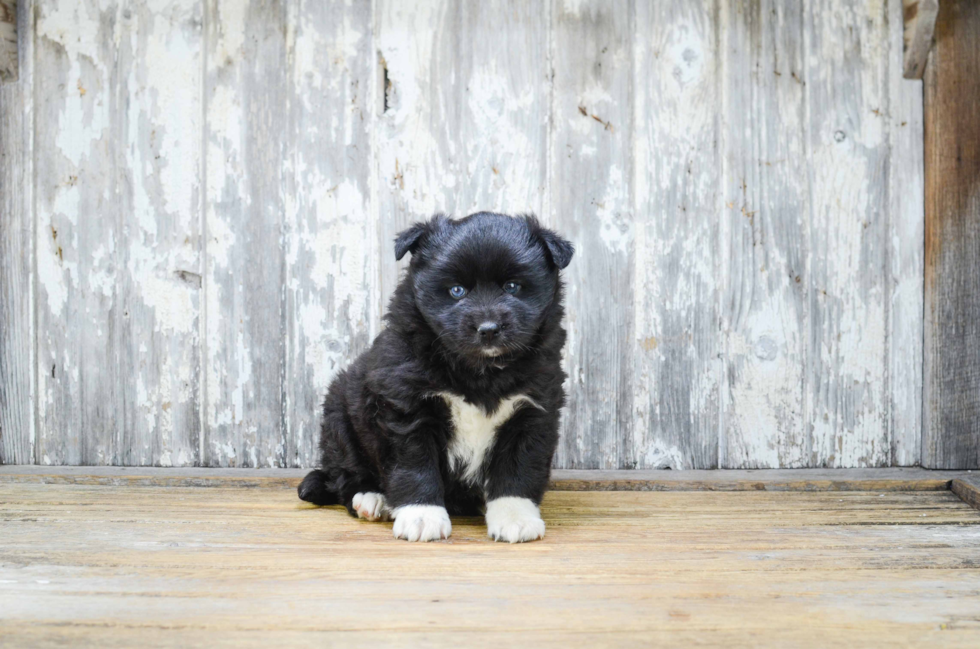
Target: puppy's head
484 284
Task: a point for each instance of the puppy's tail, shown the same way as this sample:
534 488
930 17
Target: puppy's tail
315 489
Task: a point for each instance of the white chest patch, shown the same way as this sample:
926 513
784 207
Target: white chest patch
474 431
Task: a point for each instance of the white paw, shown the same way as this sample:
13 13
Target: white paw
422 523
371 506
514 520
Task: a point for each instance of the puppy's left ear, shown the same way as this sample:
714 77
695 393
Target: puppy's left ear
561 250
409 240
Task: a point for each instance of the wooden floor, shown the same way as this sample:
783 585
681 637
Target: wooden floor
223 566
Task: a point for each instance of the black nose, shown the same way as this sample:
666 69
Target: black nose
488 331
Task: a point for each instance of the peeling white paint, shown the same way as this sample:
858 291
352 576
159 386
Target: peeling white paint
616 223
723 339
231 23
52 280
657 456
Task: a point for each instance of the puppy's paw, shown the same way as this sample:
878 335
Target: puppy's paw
371 506
422 523
514 520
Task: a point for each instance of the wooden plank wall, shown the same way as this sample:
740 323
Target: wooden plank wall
17 385
216 185
951 432
765 238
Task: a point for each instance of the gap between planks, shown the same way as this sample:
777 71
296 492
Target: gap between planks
964 484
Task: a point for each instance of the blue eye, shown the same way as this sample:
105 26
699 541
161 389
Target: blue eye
457 292
512 288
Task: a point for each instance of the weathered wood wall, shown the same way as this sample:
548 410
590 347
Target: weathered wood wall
200 198
17 332
951 430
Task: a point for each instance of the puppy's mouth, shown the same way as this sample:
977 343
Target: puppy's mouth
492 352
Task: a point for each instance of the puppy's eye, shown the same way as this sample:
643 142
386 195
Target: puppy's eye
457 292
512 287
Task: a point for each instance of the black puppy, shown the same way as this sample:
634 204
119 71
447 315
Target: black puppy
456 404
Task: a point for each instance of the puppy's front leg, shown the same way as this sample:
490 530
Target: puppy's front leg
518 476
415 492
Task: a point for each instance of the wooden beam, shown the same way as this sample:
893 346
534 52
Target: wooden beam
920 20
968 489
951 379
8 41
890 479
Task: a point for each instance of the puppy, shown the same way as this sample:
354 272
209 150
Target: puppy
455 407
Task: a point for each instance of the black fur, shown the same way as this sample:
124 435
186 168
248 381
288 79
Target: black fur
385 430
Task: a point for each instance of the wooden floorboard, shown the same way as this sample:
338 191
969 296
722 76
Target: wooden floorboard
90 564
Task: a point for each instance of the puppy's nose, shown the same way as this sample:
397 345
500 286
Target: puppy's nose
488 331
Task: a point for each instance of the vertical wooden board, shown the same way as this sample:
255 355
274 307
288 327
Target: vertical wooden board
763 242
330 233
677 194
245 137
501 106
591 203
847 101
17 367
904 251
79 205
415 142
118 265
157 132
463 103
951 415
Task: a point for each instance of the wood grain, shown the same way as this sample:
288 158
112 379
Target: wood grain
192 566
904 251
677 177
951 417
968 489
413 156
591 187
463 114
331 284
764 237
920 21
81 205
9 55
159 171
17 331
245 139
846 89
498 100
118 244
217 186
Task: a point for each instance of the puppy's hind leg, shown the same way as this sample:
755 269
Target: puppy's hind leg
341 459
316 489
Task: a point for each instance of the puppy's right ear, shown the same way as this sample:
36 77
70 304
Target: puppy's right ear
409 240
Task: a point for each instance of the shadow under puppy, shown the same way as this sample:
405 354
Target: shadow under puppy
455 406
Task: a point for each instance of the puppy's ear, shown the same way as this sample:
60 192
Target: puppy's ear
560 250
409 240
